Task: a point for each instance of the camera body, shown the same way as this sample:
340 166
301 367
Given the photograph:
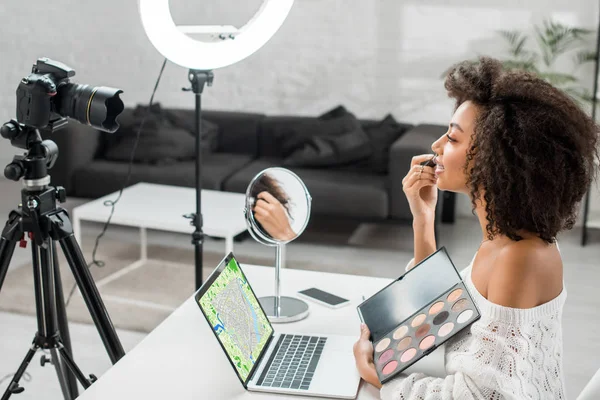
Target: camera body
46 97
36 94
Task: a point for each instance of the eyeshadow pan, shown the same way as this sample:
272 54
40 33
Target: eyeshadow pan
446 329
382 345
454 295
408 355
390 367
419 319
441 317
422 331
464 316
460 305
386 356
400 332
436 308
427 342
404 343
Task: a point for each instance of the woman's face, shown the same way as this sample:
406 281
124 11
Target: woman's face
452 147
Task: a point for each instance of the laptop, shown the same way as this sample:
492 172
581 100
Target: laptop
265 361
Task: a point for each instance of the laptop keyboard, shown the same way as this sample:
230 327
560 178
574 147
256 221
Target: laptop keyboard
293 362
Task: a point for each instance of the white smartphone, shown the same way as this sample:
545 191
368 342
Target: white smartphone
323 298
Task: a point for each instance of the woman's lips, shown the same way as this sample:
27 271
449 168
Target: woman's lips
439 169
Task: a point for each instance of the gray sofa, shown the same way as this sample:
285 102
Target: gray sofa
246 144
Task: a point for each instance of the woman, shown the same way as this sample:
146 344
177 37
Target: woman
524 152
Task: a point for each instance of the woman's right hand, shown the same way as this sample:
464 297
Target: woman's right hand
420 187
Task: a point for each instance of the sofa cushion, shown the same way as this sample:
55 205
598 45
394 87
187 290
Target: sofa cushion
102 177
335 192
165 137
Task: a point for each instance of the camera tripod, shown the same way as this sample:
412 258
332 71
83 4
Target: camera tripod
39 219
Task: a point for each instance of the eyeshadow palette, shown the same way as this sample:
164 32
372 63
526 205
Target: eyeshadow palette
416 313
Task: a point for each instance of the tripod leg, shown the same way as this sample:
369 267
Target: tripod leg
10 234
63 324
61 373
7 249
63 232
13 386
66 358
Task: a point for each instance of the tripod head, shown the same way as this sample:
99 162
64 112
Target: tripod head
40 156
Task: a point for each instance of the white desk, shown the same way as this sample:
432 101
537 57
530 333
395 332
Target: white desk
182 359
161 207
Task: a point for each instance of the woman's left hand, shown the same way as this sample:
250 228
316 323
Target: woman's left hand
363 355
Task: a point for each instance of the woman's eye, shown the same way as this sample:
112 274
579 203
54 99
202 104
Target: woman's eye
450 139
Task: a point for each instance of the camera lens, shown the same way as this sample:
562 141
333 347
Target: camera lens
97 106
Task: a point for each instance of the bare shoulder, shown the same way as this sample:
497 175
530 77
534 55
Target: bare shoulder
525 274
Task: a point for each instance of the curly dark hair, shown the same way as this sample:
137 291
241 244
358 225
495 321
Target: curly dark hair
266 183
532 151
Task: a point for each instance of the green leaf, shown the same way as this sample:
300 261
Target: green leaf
510 36
584 56
544 46
555 39
516 41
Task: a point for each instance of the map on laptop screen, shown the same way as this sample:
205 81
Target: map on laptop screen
235 315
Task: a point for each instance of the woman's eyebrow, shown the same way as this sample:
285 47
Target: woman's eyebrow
455 125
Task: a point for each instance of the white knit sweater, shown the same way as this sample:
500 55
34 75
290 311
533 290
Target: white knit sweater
508 353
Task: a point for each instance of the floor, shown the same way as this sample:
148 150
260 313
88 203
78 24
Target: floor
382 249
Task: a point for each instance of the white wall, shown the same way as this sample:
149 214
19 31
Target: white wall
374 57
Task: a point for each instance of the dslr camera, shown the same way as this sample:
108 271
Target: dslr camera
46 97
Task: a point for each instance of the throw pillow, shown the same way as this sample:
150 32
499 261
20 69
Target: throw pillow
382 136
297 135
335 112
332 141
186 119
160 142
323 151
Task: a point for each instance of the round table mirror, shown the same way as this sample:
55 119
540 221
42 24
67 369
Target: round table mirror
277 212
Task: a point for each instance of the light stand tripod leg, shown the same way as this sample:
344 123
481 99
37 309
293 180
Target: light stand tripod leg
13 386
63 323
63 232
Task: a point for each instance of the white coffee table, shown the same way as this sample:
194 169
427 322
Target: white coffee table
161 207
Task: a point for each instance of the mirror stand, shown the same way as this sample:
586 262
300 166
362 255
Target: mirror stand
279 308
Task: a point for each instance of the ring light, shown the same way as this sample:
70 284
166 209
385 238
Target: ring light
234 45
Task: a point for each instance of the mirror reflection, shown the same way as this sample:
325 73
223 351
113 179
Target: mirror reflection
280 205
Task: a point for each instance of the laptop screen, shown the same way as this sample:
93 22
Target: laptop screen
235 316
